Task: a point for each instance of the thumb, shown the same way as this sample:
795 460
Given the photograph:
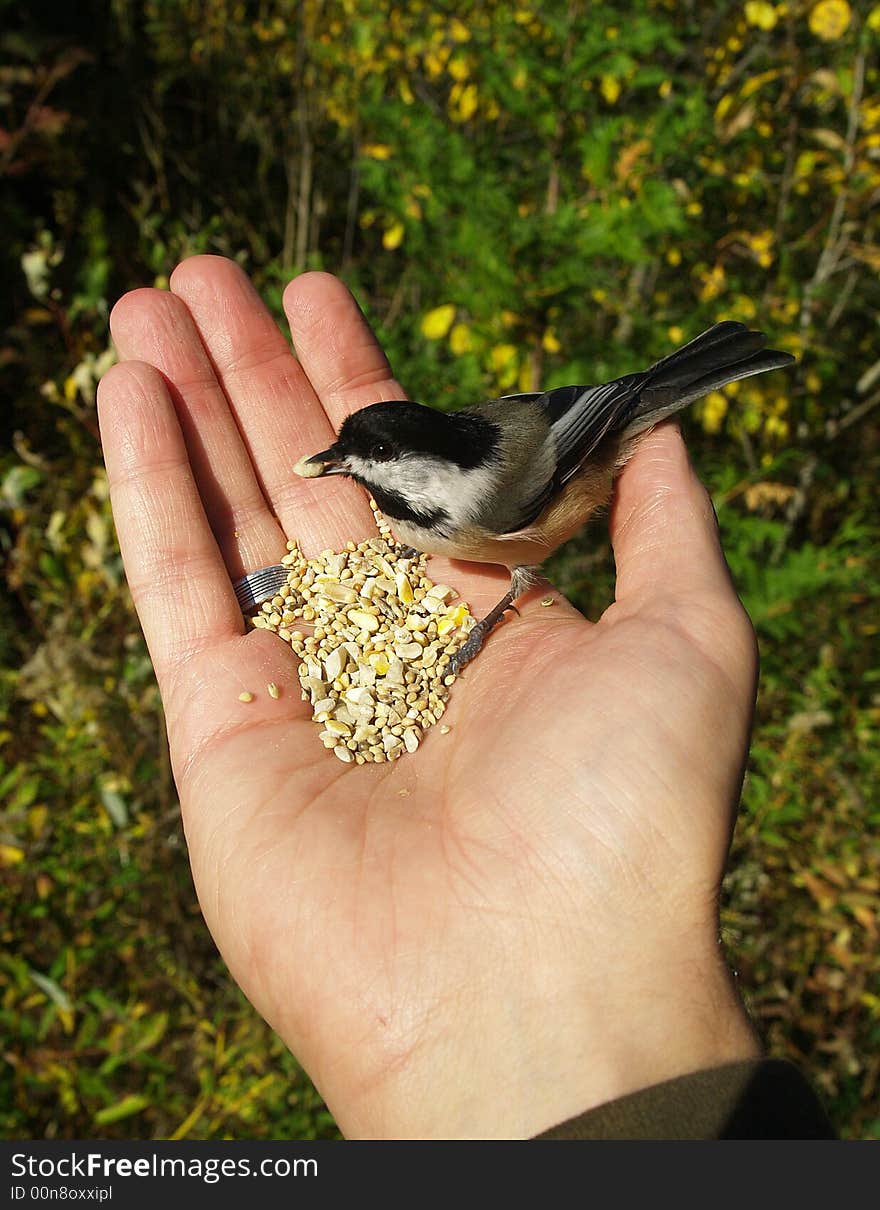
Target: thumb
663 527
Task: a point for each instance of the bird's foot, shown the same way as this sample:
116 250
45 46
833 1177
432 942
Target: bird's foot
479 634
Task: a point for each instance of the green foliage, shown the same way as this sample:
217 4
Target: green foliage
518 195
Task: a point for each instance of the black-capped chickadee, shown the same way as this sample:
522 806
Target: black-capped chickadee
508 481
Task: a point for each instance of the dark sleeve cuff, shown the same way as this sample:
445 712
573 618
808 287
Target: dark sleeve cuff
756 1099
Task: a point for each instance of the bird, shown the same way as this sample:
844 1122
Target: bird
509 480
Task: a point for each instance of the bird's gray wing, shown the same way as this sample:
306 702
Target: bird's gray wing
581 416
578 418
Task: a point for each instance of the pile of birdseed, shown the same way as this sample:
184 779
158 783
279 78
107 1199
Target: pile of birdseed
382 634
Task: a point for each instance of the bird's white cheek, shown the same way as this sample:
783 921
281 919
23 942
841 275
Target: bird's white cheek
428 484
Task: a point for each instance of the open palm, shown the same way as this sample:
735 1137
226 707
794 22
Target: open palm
519 920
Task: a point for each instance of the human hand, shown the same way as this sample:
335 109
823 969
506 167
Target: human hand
517 922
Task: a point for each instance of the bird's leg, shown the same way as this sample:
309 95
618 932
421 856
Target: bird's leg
520 579
478 635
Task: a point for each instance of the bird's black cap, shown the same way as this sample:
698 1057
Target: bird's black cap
400 427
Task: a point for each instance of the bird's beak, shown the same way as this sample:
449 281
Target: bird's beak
328 462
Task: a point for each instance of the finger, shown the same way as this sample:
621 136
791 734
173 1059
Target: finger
336 347
663 526
273 404
180 586
155 327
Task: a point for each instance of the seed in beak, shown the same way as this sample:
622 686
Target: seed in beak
308 469
325 463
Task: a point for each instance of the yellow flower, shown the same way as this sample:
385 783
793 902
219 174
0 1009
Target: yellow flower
675 334
465 102
829 20
550 342
761 243
713 283
714 411
744 307
460 340
458 68
377 151
502 356
751 418
760 14
458 31
526 381
873 21
610 88
673 256
774 426
436 323
393 237
813 382
870 114
434 62
665 89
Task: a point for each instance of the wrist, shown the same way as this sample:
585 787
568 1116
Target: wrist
503 1066
670 1020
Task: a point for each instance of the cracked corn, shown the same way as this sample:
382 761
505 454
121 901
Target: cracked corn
373 666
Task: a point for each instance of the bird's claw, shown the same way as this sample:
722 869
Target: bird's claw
478 636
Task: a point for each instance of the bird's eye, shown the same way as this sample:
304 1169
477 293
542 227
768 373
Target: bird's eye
382 452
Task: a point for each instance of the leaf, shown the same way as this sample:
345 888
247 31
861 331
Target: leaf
761 14
115 806
869 254
755 83
460 340
741 120
436 323
830 139
609 87
866 916
53 990
628 159
376 151
17 482
393 237
825 79
126 1108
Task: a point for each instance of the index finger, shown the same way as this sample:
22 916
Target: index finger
271 398
336 346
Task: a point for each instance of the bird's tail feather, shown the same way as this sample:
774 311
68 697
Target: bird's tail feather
725 353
